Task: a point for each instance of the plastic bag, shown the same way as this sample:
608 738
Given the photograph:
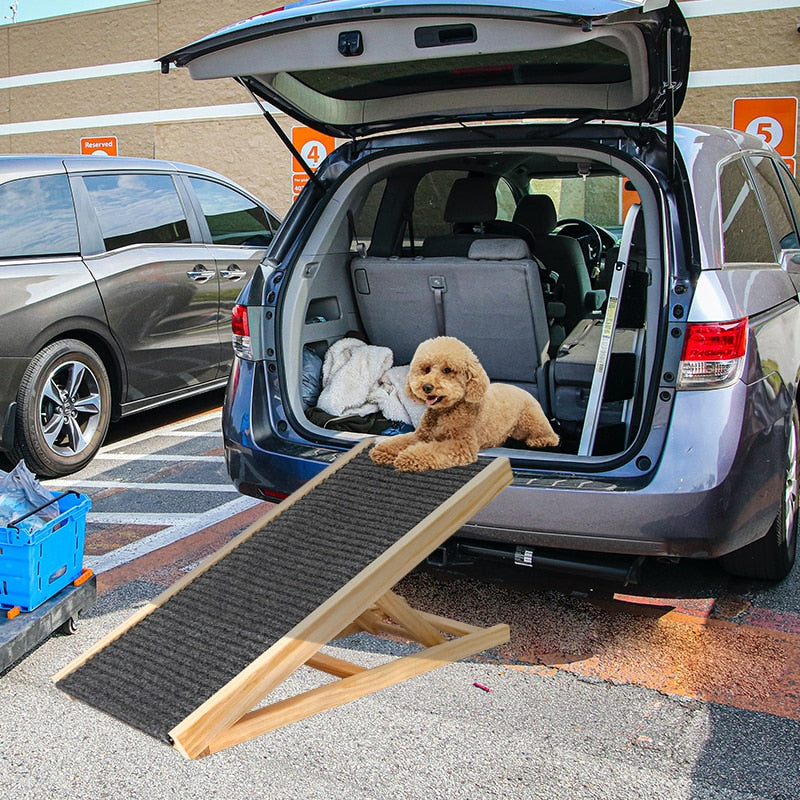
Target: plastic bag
20 494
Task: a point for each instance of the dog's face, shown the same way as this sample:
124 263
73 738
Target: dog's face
445 372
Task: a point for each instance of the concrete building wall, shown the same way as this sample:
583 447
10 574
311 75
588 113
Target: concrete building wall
95 74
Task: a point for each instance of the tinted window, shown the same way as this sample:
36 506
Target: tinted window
506 202
232 217
430 201
587 63
776 205
792 192
37 218
745 236
137 209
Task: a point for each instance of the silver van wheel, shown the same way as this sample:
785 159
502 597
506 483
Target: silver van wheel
772 557
63 409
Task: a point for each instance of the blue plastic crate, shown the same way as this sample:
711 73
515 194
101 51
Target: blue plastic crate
35 565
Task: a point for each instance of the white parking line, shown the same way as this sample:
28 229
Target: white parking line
186 525
154 457
147 487
175 428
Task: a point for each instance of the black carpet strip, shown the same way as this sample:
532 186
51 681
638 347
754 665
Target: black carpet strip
164 667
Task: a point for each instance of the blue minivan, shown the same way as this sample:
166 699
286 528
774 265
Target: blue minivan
511 173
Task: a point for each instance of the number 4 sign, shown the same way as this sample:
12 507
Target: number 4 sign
313 148
774 119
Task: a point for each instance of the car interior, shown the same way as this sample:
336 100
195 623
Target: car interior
478 246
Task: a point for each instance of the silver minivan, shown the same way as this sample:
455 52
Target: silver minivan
511 173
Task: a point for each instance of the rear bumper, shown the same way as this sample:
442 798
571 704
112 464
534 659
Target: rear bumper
710 494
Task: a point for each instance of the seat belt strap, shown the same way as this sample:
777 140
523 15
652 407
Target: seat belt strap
438 286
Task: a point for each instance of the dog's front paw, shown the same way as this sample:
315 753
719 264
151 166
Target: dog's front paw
411 462
382 455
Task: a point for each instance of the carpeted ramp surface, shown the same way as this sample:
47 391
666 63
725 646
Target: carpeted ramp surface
169 663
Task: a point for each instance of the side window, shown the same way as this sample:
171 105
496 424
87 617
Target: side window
745 236
430 200
506 202
137 209
368 213
232 217
776 206
38 218
792 192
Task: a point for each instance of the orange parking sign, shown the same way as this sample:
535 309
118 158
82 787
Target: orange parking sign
313 148
99 144
774 119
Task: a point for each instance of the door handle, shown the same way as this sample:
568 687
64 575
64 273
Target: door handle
233 273
201 273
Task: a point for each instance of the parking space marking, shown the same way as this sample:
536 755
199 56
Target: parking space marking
158 487
186 525
156 457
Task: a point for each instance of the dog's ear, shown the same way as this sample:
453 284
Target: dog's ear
410 391
477 381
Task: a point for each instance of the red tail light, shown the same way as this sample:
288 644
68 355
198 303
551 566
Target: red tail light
239 322
240 325
713 354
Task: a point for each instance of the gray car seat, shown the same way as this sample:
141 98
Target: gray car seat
492 300
562 255
470 210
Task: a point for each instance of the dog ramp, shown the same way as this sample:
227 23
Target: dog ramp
194 667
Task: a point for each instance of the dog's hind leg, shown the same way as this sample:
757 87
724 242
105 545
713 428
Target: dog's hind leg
534 429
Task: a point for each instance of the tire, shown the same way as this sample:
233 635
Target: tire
69 627
63 409
772 557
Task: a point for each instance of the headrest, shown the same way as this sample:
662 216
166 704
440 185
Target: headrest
499 250
537 213
471 200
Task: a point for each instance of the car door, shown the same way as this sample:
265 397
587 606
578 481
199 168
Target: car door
158 282
238 230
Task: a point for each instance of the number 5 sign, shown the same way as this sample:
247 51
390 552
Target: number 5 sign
774 119
313 148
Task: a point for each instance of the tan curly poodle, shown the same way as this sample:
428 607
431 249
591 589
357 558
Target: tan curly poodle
464 412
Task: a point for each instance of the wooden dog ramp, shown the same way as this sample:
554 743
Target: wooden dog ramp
193 667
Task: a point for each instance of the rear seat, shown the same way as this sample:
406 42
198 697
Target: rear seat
492 300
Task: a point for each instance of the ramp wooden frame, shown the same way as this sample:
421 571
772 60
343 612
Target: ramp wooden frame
365 603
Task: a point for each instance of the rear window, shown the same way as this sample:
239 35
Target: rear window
776 205
137 209
592 62
745 235
232 217
37 218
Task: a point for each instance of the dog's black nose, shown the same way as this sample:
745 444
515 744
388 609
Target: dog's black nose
427 388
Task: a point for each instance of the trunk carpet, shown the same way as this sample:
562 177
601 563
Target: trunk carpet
164 667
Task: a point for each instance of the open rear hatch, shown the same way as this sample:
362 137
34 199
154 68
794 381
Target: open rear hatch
350 68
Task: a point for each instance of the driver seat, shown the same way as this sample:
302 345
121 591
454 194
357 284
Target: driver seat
562 255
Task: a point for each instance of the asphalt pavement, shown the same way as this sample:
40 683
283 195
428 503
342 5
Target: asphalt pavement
684 686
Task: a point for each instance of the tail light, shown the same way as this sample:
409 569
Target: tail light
713 354
240 326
